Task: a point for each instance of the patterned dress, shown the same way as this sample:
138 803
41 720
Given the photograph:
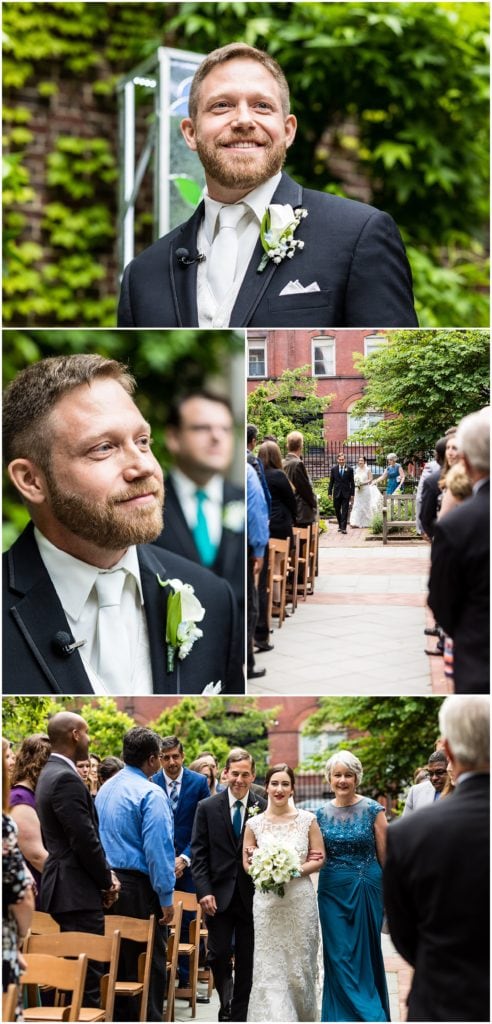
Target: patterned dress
286 934
14 884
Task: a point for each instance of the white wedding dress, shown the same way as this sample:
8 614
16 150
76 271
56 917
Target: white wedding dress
286 935
367 500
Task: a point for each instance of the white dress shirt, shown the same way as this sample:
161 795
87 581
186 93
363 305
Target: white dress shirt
67 761
74 582
210 313
212 508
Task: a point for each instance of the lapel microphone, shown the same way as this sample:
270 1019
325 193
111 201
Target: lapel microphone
65 645
184 259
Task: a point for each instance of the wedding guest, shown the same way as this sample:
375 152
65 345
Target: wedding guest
430 788
428 496
258 535
285 961
81 582
457 488
109 766
94 761
394 475
17 895
349 266
84 769
262 630
203 766
306 500
350 897
283 511
32 755
10 756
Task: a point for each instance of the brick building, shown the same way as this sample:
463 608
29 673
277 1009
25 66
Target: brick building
330 355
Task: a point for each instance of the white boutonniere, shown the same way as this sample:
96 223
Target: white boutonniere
254 809
277 233
233 516
183 611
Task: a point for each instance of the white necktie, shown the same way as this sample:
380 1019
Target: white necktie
223 254
113 649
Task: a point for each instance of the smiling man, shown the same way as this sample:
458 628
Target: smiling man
85 610
340 263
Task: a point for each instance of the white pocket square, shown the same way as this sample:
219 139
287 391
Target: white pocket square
212 689
294 287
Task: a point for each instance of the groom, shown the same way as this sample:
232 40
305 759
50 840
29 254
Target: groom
223 888
343 487
349 267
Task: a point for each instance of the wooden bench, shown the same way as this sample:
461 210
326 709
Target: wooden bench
398 510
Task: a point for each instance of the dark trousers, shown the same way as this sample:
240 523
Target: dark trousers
232 927
252 615
261 627
86 921
341 503
138 899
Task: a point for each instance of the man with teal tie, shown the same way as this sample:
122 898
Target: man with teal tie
204 512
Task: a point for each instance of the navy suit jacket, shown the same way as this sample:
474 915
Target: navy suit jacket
353 251
177 536
217 853
33 614
194 787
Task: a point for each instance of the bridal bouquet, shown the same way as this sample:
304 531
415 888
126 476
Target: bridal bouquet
273 865
359 482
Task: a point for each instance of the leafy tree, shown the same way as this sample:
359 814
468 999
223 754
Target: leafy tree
429 380
23 716
217 724
289 403
107 725
397 736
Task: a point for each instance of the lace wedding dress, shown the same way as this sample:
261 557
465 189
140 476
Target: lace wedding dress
367 499
286 935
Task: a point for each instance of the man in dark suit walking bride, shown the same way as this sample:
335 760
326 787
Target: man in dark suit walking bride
342 487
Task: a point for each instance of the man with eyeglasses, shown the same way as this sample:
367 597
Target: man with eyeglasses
204 512
427 792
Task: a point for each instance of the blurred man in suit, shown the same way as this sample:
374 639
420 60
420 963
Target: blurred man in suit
349 266
429 791
204 512
459 584
184 790
298 475
436 878
224 889
77 882
342 486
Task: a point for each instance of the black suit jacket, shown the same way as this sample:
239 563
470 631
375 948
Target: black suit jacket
459 588
76 870
353 251
436 883
177 536
32 615
216 853
429 502
342 486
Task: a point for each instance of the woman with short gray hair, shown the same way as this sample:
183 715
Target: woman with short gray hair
350 897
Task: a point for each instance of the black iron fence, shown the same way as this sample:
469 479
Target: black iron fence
319 460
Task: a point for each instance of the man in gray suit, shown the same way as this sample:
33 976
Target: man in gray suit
427 792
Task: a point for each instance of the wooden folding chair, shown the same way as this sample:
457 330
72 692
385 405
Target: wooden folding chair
138 930
42 924
293 572
60 974
105 949
304 534
9 1002
278 554
172 958
191 949
313 558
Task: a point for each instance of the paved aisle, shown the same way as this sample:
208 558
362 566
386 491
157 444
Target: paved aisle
362 632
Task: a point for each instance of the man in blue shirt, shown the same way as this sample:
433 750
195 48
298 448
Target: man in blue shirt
258 535
136 829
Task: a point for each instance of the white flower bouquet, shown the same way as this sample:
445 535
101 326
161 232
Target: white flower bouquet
273 865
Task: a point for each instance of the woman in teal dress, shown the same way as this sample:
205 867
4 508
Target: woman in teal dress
394 475
350 898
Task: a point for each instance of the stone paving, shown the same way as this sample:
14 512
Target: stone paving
362 631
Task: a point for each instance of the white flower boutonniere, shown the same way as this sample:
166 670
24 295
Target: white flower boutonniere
183 611
233 516
254 809
277 233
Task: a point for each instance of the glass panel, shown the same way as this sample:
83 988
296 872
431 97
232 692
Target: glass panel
363 422
256 362
187 179
324 359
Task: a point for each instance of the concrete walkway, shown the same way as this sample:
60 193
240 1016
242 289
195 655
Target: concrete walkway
362 631
398 977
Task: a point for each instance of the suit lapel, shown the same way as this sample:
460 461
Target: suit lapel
155 606
183 279
39 616
179 525
254 285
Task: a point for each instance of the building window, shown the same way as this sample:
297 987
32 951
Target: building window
322 743
362 422
323 357
257 359
373 342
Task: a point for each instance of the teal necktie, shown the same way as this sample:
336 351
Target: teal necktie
206 549
236 819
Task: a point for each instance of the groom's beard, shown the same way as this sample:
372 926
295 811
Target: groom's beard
246 169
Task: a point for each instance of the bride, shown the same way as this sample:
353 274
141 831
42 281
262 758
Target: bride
286 928
367 498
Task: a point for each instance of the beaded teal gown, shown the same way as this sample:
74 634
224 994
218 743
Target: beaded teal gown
350 898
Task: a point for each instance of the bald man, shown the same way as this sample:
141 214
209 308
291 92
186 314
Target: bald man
77 882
